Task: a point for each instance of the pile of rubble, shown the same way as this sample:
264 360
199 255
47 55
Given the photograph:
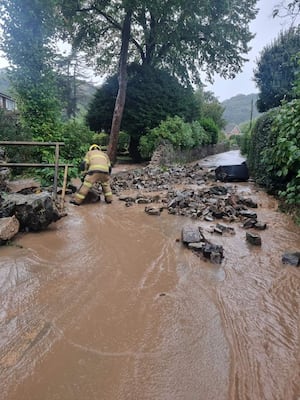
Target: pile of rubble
206 200
190 191
150 179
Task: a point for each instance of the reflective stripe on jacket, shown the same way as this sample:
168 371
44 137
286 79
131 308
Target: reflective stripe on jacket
96 160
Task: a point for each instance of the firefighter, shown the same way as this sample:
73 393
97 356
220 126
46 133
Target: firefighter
96 167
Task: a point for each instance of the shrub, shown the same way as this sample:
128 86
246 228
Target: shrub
283 158
199 134
211 129
77 138
260 139
101 138
175 130
123 142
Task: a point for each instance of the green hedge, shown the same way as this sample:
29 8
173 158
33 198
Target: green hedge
182 135
273 151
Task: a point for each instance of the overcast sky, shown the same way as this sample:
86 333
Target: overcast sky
266 29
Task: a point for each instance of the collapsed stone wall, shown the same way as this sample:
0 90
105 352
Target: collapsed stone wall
165 153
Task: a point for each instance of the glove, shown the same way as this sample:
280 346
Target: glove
82 178
82 166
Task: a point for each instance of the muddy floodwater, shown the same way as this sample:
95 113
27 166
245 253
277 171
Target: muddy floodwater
108 304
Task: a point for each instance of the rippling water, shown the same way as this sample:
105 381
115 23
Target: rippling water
108 304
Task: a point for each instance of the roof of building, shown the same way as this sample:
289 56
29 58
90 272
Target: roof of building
6 96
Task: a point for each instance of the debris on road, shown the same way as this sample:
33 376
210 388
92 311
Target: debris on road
253 238
291 258
195 240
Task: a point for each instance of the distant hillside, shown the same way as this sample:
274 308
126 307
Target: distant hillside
85 93
238 109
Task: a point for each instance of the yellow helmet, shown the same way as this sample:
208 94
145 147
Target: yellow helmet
94 147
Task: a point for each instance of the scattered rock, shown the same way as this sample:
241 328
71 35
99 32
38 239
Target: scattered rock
249 223
248 214
223 229
213 252
195 240
253 238
127 198
199 199
191 234
143 200
260 226
248 202
153 210
198 246
291 258
218 190
253 223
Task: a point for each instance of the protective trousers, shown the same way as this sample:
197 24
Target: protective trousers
87 184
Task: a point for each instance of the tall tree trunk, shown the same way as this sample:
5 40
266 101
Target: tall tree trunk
121 97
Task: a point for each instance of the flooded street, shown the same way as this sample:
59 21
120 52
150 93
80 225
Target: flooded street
108 304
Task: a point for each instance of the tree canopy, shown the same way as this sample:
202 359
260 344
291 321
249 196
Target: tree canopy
28 39
276 70
181 37
287 9
210 107
152 95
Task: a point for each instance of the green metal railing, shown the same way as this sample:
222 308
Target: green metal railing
56 165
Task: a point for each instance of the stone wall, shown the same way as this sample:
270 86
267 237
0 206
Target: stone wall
165 154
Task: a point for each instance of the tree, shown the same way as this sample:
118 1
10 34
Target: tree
287 9
121 96
28 39
152 96
71 83
210 107
276 70
182 37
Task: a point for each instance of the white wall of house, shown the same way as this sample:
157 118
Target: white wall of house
7 103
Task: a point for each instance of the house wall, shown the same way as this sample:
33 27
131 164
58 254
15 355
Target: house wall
7 103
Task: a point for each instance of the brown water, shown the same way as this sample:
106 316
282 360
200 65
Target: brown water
108 305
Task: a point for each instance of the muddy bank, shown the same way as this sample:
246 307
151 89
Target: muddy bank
109 304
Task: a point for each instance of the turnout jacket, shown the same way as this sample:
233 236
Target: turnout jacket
96 161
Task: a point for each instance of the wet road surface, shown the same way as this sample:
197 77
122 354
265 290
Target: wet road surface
108 304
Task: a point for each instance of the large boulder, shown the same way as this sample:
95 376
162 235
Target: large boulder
34 211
